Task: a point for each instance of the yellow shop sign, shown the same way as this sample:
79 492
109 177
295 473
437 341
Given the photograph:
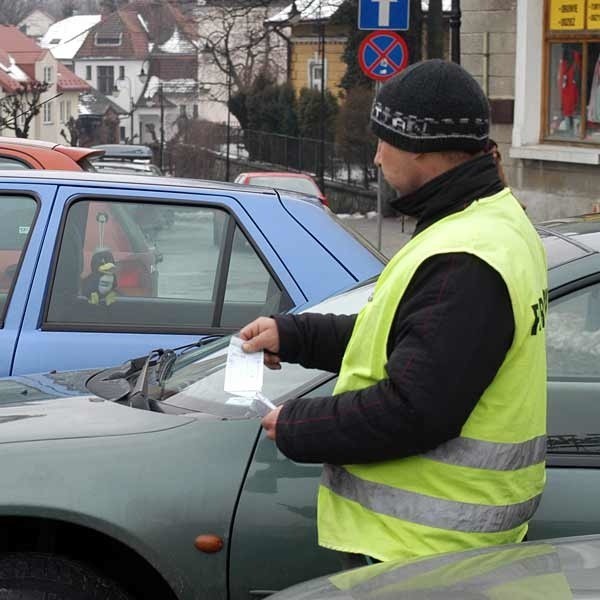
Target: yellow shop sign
593 14
568 14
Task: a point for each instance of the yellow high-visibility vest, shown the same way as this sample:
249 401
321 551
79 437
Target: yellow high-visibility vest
482 487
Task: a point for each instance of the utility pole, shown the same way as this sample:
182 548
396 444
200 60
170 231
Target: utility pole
162 127
321 49
227 156
455 18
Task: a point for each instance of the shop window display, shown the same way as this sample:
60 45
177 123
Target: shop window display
572 104
593 95
565 105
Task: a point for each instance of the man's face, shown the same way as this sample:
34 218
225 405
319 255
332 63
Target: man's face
400 169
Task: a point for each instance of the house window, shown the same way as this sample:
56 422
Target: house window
48 112
122 134
106 80
572 58
195 111
183 111
315 72
108 39
88 72
61 108
69 110
48 74
121 72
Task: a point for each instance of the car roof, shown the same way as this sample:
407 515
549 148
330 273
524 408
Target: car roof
76 153
87 178
275 174
520 569
127 151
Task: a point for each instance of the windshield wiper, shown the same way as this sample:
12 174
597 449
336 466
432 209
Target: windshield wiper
167 360
163 360
138 397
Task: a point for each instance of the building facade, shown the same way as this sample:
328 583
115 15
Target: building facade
143 57
29 62
539 62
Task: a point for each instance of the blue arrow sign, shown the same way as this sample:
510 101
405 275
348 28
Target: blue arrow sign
383 14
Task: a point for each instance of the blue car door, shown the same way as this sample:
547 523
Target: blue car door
24 214
123 271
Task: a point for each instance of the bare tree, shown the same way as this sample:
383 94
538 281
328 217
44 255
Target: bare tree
235 45
12 11
72 132
18 109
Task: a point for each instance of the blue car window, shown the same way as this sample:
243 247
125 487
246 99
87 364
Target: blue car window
17 214
141 266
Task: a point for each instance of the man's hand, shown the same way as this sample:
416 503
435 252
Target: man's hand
269 423
262 334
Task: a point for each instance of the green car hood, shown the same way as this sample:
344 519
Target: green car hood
45 407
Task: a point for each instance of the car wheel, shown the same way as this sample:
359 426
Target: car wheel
41 576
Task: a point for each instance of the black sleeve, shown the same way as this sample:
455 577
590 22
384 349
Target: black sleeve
315 341
451 332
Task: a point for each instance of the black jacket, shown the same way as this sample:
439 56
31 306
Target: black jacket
451 332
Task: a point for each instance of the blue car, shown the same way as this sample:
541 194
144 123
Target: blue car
95 268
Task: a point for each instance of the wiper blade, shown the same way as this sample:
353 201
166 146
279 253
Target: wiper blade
167 360
138 398
574 443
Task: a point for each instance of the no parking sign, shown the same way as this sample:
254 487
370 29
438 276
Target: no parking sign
382 54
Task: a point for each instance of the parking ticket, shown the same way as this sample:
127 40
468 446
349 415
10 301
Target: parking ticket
243 372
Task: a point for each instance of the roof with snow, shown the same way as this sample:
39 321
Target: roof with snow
18 57
93 103
307 10
138 28
65 37
317 10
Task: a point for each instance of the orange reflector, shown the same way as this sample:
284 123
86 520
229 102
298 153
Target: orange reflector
208 543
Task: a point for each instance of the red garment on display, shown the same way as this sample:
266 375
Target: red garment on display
568 83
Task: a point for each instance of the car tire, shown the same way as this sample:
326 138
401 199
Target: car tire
39 576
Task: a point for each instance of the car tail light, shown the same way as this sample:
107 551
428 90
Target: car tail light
324 201
130 277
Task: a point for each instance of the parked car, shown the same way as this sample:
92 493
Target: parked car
559 569
128 159
172 283
132 168
293 182
18 153
150 474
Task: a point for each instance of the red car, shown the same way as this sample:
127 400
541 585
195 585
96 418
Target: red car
34 154
294 182
135 255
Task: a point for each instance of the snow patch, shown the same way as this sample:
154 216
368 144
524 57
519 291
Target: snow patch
142 22
70 33
177 44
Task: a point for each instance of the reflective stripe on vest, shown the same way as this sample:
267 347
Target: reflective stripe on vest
467 452
427 510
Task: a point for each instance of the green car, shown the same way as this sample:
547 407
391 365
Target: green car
147 480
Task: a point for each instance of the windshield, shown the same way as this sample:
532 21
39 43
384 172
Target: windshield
197 378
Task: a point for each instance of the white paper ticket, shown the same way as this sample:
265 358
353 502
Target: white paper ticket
243 372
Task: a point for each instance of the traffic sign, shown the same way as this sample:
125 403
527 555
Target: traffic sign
382 54
383 14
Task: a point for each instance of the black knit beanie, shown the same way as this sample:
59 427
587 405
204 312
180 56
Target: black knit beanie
432 106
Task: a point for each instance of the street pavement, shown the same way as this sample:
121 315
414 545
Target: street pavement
394 233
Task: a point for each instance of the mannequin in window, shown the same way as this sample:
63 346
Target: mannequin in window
569 83
593 109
